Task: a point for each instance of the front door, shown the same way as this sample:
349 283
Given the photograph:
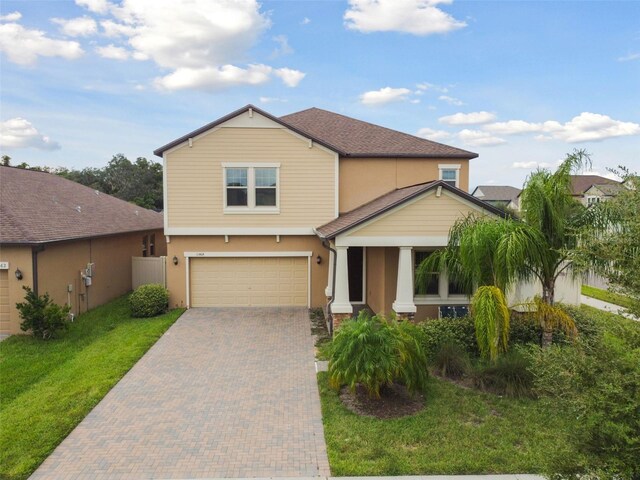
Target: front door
356 265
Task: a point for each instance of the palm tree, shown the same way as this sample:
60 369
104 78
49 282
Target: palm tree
489 251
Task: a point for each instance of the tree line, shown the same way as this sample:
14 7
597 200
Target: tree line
138 182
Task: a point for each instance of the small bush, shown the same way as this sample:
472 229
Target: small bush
375 353
40 315
457 331
149 301
523 330
508 375
451 361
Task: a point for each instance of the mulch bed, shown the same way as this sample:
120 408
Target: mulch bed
394 402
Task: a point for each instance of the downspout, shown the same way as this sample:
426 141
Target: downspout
34 266
327 245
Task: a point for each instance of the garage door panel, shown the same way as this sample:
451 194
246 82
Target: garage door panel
249 281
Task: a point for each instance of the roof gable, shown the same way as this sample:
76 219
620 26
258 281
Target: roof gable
39 207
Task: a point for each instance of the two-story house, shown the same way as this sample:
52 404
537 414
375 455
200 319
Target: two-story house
309 208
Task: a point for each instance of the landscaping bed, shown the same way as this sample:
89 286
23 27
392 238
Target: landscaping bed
48 387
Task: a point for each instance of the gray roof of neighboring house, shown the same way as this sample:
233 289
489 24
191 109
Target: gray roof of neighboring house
611 189
582 183
346 136
39 207
377 206
496 193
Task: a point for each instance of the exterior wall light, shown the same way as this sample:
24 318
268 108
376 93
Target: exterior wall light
175 260
18 274
318 259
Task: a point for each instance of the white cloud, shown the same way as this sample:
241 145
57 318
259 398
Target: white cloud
530 165
20 133
199 45
11 17
418 17
283 47
95 6
272 100
478 138
305 21
430 86
473 118
384 95
431 134
451 100
23 46
77 27
214 78
291 78
630 57
114 53
586 127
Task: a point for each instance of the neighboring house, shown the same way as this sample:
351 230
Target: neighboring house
589 189
256 206
67 240
500 196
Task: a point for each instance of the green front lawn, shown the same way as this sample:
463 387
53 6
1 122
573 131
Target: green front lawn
47 388
460 431
606 296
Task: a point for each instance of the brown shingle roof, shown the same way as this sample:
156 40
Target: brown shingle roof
581 183
347 221
356 138
496 192
38 207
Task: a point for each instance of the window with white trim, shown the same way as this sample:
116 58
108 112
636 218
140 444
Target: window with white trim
450 174
251 188
439 288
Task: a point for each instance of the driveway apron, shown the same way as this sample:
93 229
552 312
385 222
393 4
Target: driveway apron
226 392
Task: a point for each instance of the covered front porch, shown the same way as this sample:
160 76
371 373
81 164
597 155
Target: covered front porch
375 250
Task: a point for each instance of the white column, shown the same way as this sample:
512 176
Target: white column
329 290
341 302
404 287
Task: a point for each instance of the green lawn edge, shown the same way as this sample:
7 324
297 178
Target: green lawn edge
48 388
606 296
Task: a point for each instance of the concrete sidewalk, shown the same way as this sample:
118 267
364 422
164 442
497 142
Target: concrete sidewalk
606 306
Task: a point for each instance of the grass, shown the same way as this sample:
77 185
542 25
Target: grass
460 431
606 296
47 388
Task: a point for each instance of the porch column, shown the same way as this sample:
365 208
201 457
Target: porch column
404 305
341 307
329 290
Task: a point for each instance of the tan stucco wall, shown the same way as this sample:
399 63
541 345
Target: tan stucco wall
362 179
427 216
176 274
59 265
195 194
18 258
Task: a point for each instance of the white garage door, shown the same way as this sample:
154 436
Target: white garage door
249 281
4 301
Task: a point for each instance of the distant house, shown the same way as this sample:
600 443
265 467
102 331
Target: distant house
589 189
68 240
497 195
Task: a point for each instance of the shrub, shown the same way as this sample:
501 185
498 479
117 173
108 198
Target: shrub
508 375
598 383
457 331
149 300
375 352
523 330
451 361
40 315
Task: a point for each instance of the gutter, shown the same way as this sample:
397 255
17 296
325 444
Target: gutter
34 265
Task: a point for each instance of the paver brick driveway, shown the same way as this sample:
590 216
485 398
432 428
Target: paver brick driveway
224 393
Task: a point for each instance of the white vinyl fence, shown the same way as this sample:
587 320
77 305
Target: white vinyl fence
567 291
145 270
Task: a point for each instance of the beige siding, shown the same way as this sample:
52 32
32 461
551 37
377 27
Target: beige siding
362 179
250 282
428 216
195 179
4 301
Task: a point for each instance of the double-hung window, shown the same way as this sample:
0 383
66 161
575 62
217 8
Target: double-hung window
450 174
251 188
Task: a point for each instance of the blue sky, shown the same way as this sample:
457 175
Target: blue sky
520 83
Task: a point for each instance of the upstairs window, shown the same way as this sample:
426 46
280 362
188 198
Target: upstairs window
450 174
251 188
